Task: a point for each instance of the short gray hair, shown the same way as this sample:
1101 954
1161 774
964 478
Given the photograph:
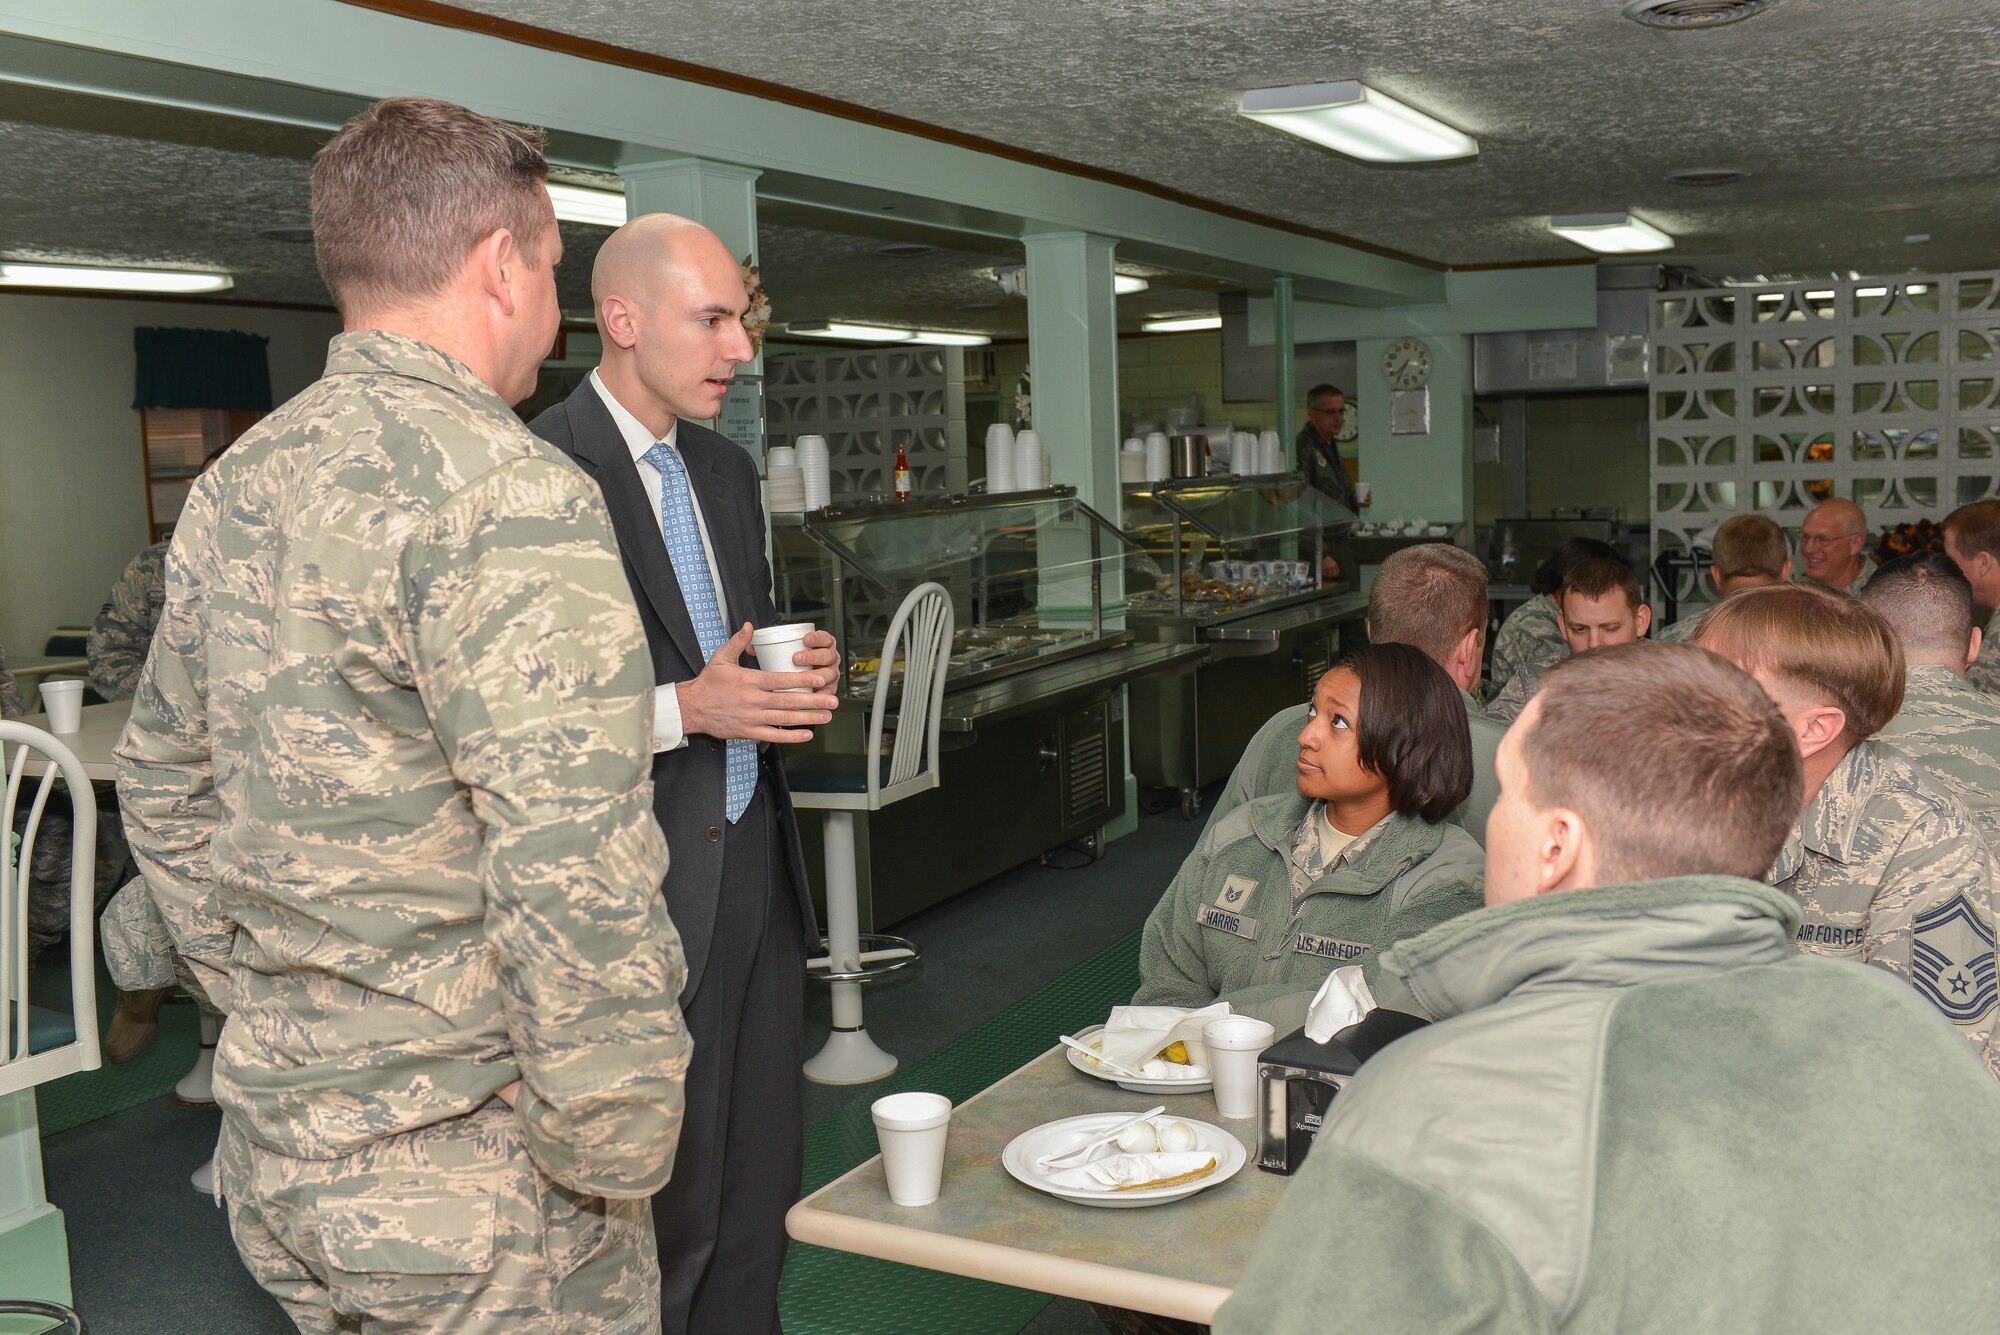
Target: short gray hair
408 187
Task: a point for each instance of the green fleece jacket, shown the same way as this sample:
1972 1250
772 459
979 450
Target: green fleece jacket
1233 927
1270 765
1644 1113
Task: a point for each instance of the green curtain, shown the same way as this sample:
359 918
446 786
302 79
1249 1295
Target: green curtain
201 368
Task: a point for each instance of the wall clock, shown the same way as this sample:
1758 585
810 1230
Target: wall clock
1406 363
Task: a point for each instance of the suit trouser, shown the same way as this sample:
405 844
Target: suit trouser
446 1230
721 1218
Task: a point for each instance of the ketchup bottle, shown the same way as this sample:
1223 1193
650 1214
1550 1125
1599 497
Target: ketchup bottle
902 473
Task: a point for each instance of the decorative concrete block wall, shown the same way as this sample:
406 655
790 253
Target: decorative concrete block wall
1885 391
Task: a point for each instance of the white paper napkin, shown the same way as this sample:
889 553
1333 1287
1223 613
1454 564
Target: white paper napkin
1134 1035
1341 1001
1121 1169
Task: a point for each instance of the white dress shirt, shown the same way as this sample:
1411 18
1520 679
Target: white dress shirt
668 735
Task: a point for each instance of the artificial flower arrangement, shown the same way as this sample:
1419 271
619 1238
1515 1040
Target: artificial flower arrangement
757 316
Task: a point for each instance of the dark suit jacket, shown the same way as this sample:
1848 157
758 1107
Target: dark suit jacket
688 783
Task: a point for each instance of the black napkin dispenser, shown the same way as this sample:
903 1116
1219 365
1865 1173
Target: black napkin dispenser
1298 1078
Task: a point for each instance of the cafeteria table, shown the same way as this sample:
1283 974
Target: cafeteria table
1180 1259
92 743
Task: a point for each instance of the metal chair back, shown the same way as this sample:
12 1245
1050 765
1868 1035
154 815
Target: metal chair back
23 748
922 628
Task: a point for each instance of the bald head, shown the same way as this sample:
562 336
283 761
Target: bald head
1831 540
670 300
648 252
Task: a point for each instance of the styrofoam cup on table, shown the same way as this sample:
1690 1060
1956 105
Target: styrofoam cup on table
912 1128
1135 445
63 702
1029 474
1156 458
1233 1044
780 456
999 436
776 647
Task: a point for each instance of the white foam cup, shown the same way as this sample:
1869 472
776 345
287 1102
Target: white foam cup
911 1130
64 702
1363 493
1233 1044
776 646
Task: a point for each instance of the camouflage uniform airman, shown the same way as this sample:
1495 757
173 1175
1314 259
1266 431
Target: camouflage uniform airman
1531 636
387 781
1889 869
1952 731
11 705
1984 672
1514 696
123 631
1679 632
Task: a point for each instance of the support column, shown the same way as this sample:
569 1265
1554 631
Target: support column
1284 350
1073 352
1427 475
720 195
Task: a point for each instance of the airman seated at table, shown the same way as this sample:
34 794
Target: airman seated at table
1431 595
1640 1110
1532 636
1972 541
1833 546
1887 867
1748 552
1601 604
1287 888
1944 725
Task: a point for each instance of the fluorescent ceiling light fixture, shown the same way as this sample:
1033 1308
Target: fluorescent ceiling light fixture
857 333
1865 292
1182 324
1611 233
1357 120
577 204
97 278
943 339
1125 284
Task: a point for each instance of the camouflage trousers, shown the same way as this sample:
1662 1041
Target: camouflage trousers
48 892
450 1228
138 950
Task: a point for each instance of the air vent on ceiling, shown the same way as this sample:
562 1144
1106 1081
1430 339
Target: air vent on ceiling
1703 176
1681 15
906 250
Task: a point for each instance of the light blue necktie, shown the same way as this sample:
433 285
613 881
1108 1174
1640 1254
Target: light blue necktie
683 536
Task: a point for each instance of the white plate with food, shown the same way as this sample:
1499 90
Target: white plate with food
1203 1155
1179 1078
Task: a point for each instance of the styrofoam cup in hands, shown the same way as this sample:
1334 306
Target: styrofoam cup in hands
777 648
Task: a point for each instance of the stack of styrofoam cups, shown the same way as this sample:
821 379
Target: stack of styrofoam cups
1271 452
1132 460
1243 455
787 480
1001 458
1156 456
816 470
1030 464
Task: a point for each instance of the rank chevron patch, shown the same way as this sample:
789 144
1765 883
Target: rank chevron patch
1952 962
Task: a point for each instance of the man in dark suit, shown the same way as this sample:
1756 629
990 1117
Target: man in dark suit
684 503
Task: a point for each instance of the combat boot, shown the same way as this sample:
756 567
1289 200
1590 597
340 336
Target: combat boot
134 1024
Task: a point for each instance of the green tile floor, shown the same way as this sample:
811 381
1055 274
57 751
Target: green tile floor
1007 966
